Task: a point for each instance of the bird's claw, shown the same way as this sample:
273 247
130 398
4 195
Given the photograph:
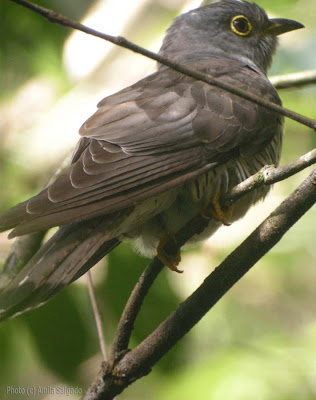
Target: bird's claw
215 211
168 252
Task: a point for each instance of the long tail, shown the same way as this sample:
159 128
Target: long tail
67 255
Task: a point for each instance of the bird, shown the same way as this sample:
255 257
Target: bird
157 153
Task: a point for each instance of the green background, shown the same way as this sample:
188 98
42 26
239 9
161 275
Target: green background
259 342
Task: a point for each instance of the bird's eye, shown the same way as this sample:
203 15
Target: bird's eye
241 25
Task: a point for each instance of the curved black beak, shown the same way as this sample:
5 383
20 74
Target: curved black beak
277 26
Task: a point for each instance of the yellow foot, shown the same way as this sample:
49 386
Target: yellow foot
168 253
216 212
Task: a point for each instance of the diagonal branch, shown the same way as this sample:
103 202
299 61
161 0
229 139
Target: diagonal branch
132 308
122 42
267 176
115 377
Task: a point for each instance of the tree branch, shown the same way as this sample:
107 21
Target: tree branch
269 175
114 377
132 308
122 42
296 79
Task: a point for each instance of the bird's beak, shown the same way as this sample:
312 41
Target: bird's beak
277 26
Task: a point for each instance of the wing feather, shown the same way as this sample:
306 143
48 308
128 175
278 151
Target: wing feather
152 136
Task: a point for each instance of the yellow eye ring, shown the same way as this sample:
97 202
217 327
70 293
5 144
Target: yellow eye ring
241 25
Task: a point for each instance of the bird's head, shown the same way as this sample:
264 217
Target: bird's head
237 28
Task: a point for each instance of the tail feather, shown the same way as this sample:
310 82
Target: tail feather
67 255
13 217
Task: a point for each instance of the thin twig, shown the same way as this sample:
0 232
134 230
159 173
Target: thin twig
296 79
96 314
138 362
122 42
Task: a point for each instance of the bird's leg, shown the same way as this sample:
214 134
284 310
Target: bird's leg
215 211
168 252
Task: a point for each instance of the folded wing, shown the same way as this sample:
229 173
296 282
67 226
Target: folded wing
157 134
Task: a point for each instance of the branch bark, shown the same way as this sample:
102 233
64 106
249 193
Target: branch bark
122 42
126 324
269 175
116 375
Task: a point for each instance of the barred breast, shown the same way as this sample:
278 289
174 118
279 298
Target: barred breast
185 202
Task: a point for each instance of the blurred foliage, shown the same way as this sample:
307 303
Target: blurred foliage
257 343
23 33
